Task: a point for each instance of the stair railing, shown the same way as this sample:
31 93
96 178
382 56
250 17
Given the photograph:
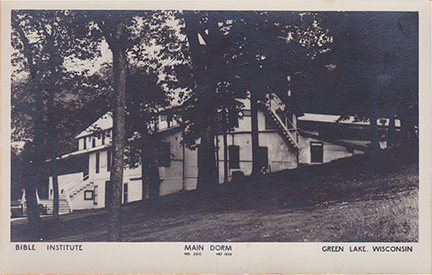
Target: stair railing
282 124
71 182
69 201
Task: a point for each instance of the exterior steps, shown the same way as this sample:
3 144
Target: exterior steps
77 189
282 126
63 205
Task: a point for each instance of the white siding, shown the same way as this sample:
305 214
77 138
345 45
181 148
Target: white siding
134 190
191 169
330 151
172 176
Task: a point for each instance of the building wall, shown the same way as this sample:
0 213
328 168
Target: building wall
86 143
182 171
330 151
134 190
281 155
79 203
172 177
191 169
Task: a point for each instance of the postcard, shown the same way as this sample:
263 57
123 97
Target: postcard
222 137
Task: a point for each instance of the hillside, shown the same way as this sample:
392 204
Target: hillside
348 200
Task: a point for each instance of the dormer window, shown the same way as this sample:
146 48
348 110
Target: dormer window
94 142
84 143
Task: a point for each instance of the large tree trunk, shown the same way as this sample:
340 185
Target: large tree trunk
150 174
53 148
204 67
36 177
32 208
225 144
391 132
374 134
207 169
36 167
409 137
54 175
256 169
118 144
56 199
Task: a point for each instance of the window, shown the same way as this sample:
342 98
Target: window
317 152
85 143
164 155
234 156
95 195
125 193
97 162
88 195
103 138
94 142
99 136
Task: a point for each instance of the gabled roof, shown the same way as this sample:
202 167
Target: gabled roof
105 122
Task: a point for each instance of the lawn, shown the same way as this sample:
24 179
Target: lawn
350 200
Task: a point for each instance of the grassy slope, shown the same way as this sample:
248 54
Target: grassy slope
346 200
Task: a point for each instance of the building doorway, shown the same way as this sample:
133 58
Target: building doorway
263 159
317 152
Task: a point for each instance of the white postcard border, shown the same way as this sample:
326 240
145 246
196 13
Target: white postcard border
247 257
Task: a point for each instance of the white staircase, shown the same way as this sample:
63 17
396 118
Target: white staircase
77 188
67 191
64 207
273 105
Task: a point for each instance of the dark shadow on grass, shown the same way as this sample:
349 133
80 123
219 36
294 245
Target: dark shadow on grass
361 177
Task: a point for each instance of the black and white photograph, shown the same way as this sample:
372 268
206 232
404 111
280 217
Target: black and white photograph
212 127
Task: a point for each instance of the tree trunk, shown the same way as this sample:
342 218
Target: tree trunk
206 89
118 144
33 217
56 199
144 179
391 132
409 138
374 134
256 169
36 177
207 173
54 174
53 148
150 174
225 143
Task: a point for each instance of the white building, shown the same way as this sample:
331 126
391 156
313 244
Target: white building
282 145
